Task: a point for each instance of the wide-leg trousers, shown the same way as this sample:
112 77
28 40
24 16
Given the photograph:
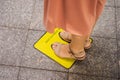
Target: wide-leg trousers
75 16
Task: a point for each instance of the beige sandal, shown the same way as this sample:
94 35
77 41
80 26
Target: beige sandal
66 36
71 55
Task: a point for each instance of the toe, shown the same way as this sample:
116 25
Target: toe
54 45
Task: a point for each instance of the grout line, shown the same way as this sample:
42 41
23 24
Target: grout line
13 27
92 75
116 8
43 69
33 8
18 73
116 18
30 68
1 26
56 71
23 53
8 65
33 68
37 30
32 13
68 75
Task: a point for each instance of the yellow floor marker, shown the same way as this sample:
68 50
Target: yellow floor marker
44 45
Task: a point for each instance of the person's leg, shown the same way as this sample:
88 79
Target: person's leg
99 8
75 49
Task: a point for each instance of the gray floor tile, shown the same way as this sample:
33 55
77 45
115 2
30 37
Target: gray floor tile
33 58
118 35
12 42
110 3
105 26
37 18
8 73
79 67
83 77
16 13
119 55
118 23
30 74
118 3
118 32
101 59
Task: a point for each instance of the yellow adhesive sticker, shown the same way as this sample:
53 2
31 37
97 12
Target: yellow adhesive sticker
44 45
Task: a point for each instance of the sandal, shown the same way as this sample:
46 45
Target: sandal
67 37
88 43
68 53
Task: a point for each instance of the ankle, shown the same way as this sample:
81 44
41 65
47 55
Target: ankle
87 43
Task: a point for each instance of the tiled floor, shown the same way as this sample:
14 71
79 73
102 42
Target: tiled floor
21 26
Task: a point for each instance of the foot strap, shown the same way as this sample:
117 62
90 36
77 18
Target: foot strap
73 54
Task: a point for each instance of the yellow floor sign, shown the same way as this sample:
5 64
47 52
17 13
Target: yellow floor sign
44 45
